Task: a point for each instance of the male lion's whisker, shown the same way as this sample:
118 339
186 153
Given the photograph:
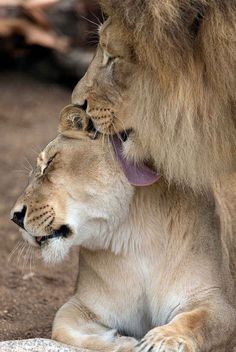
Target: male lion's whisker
97 18
122 123
111 151
95 134
103 140
90 21
103 18
117 132
93 35
93 42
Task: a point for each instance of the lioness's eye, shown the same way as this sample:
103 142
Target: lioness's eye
48 163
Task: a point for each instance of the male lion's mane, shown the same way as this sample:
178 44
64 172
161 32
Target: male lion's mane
188 51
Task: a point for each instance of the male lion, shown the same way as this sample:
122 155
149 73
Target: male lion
167 70
152 263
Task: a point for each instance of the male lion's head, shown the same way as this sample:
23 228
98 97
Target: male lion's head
76 194
166 69
104 91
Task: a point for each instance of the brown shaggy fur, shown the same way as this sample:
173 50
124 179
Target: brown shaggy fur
190 49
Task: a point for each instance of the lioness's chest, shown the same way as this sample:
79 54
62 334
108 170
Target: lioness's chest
116 289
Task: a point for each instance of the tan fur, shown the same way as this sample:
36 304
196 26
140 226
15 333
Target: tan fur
152 261
172 80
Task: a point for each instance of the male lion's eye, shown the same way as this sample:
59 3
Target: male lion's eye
107 59
110 60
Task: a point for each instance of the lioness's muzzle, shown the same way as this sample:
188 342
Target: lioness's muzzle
18 217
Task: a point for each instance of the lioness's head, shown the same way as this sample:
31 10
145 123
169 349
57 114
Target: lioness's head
76 195
166 69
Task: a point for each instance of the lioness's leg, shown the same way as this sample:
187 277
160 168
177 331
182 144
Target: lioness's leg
76 325
210 327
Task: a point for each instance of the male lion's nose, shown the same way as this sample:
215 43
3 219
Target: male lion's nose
18 217
82 104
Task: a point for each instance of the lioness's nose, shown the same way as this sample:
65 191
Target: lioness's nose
18 217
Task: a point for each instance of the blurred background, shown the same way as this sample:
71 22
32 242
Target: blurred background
45 47
50 39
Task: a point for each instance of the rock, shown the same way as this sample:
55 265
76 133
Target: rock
36 345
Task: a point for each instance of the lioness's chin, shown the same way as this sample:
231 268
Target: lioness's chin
53 250
28 238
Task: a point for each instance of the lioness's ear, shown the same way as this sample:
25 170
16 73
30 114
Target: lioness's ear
75 123
72 118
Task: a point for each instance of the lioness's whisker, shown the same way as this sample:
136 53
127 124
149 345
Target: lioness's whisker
26 257
27 169
20 252
29 163
14 250
23 259
35 152
31 259
21 171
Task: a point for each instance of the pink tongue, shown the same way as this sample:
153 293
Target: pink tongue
137 174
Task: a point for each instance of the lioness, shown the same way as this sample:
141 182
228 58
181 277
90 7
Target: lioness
152 262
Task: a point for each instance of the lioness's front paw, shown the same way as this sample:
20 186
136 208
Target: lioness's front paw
126 344
162 340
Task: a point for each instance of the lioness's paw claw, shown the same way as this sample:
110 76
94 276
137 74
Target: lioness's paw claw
161 341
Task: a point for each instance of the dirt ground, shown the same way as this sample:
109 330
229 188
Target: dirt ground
30 293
